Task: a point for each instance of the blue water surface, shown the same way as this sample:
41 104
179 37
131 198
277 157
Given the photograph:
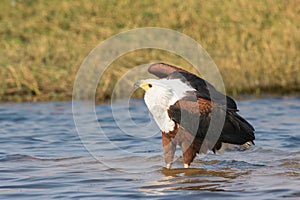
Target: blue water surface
117 154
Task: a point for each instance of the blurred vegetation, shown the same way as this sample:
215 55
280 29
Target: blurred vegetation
255 44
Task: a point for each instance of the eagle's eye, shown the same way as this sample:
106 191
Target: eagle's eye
150 85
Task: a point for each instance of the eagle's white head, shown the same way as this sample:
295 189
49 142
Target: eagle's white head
160 95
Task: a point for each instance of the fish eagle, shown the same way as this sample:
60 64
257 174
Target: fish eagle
184 105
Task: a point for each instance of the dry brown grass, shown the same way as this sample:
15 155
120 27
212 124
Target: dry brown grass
255 44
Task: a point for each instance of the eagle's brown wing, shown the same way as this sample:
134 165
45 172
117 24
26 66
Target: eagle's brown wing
162 70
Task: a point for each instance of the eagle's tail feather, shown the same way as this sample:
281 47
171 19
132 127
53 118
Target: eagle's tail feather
237 130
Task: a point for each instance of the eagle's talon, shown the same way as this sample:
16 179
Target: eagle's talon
168 166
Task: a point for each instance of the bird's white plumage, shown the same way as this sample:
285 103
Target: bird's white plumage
163 94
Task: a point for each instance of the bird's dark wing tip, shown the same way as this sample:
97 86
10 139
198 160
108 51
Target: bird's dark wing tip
162 70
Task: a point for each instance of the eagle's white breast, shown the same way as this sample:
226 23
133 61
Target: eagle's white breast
163 94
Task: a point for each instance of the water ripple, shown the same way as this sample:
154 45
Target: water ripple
42 156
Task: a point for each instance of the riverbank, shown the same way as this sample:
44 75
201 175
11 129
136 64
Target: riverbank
256 45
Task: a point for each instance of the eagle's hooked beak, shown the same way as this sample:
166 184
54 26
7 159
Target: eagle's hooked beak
142 84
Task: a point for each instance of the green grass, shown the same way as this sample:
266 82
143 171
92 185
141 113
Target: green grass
255 44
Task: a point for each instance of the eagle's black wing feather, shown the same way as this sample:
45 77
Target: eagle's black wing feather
236 130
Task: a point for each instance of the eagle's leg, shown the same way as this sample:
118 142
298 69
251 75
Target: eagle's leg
169 150
189 153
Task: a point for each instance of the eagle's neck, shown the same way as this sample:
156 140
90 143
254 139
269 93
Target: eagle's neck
158 104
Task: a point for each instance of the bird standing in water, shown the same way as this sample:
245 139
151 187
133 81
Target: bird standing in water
184 105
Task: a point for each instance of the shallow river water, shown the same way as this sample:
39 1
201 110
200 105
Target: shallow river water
42 156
